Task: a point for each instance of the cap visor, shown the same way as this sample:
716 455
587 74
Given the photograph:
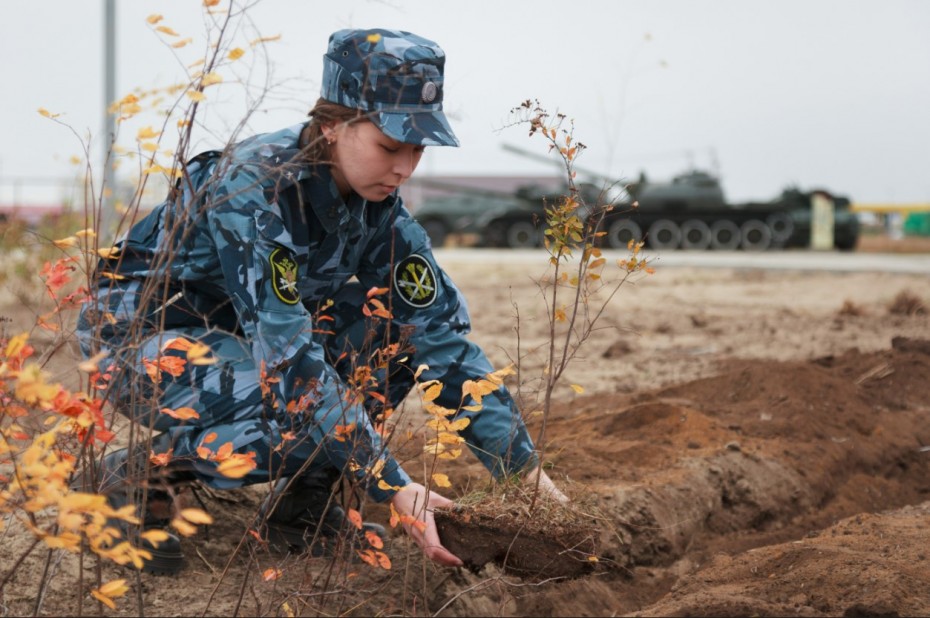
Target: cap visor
421 128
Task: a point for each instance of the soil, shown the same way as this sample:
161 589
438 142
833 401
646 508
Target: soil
750 443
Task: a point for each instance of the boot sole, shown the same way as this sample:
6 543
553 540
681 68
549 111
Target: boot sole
163 564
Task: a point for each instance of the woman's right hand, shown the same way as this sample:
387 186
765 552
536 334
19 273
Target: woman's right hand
415 501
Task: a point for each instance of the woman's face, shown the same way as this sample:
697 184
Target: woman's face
368 162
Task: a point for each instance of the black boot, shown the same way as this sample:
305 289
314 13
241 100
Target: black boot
118 478
301 514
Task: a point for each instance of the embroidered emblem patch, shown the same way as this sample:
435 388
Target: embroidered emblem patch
415 281
284 276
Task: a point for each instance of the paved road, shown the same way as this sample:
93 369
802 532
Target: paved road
771 260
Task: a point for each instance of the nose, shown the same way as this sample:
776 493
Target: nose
405 163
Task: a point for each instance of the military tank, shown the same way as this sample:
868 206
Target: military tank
691 212
688 212
493 218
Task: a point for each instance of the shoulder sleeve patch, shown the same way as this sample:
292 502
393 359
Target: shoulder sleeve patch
284 276
415 281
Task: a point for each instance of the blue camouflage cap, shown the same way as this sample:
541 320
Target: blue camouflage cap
396 76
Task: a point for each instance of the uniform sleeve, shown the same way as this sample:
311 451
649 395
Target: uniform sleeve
304 392
424 296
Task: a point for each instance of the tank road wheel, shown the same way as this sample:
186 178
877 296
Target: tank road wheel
437 231
756 235
725 235
782 226
664 234
621 232
522 235
695 234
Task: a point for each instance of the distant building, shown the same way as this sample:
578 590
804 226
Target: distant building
420 188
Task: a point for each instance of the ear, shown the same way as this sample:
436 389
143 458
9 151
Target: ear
329 130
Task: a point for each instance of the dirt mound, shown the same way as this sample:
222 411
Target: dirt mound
763 454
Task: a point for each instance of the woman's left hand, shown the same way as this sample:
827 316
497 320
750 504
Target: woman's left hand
414 500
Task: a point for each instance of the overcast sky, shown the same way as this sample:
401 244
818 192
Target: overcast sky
832 94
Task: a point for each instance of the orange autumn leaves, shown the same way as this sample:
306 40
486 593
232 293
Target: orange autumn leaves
230 464
196 353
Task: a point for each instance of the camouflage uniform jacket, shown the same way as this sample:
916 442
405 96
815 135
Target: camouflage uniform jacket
267 239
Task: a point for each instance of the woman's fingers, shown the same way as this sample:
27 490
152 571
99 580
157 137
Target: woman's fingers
414 500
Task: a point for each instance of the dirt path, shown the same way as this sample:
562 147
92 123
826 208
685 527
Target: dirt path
754 438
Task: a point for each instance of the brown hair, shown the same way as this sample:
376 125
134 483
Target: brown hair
326 112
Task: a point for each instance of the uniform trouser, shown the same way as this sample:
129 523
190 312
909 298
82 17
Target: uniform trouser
227 397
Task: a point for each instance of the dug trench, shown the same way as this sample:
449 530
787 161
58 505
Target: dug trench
712 492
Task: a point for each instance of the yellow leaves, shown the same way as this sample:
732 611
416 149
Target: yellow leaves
430 390
477 389
91 364
211 78
158 169
264 39
66 243
17 345
385 486
32 388
237 465
147 133
154 18
443 425
236 53
196 96
47 113
182 43
498 376
560 315
578 389
441 480
166 30
187 521
197 516
154 536
126 107
110 590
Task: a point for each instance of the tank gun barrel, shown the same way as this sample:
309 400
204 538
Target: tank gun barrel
591 174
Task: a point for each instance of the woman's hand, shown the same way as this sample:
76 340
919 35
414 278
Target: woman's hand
415 501
546 486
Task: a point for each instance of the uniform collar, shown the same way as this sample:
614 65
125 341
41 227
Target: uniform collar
323 195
